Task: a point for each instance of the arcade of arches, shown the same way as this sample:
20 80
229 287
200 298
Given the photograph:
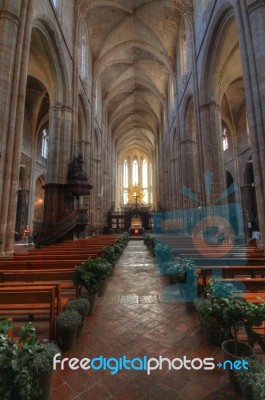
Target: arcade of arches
151 93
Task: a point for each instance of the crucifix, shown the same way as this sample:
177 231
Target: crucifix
135 197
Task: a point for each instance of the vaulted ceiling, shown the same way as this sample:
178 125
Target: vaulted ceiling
133 45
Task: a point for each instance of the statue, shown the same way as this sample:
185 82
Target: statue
75 170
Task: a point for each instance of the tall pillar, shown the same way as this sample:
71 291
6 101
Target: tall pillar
15 32
54 143
65 142
211 149
250 17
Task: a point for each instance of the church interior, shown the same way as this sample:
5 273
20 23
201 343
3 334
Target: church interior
132 123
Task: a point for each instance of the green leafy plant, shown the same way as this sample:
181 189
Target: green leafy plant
176 271
233 315
109 254
218 288
163 252
118 248
17 381
189 289
253 379
254 317
68 321
43 358
81 305
84 277
210 310
149 241
5 325
210 315
100 267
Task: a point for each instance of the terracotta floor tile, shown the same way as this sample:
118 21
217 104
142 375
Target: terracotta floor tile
95 393
63 392
80 380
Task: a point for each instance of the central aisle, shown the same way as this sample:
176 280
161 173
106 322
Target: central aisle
132 320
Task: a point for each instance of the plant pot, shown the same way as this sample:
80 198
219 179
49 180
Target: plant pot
244 351
92 300
45 381
80 329
212 332
102 287
66 340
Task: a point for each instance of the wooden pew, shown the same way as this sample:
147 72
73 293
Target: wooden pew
251 284
27 301
36 265
228 271
64 276
61 300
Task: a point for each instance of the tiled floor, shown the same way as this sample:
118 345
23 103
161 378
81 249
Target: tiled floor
133 320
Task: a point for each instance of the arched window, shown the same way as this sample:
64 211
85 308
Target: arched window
125 182
135 173
145 174
145 180
83 58
125 174
225 140
44 143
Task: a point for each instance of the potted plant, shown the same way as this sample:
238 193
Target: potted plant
210 315
109 254
254 317
174 271
189 289
17 382
82 306
163 254
210 311
233 319
42 367
101 269
118 248
252 380
149 242
88 283
66 328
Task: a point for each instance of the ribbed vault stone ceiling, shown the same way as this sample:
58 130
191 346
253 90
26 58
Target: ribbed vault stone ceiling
133 45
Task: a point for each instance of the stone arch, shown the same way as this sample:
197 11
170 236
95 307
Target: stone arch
45 34
213 55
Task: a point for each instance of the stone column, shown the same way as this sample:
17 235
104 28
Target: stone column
188 169
249 206
211 148
65 142
54 143
250 17
15 31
